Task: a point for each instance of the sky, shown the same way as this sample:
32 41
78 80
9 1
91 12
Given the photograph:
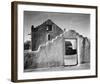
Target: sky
70 21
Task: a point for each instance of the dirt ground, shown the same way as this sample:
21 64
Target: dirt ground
73 67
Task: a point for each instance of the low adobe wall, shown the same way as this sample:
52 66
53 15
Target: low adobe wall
50 55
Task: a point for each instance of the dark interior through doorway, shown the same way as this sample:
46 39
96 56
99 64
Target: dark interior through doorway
70 52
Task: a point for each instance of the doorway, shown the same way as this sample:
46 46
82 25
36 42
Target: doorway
70 52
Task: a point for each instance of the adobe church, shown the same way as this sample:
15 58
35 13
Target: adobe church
53 47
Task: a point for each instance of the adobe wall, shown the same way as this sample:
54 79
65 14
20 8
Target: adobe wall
83 49
50 55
